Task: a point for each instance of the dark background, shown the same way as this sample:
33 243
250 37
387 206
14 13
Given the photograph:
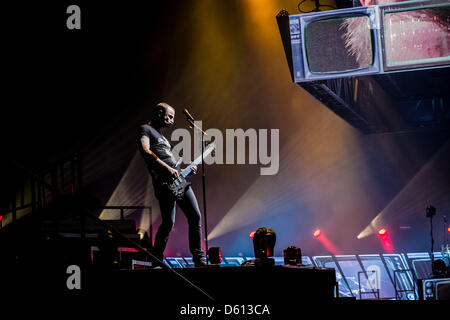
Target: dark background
86 91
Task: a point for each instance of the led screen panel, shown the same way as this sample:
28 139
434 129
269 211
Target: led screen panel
328 262
416 35
233 261
380 279
340 44
335 44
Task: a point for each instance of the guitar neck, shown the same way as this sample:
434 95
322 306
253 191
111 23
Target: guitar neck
198 160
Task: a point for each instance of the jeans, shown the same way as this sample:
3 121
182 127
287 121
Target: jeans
191 210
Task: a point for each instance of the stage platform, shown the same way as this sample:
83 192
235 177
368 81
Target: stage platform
269 288
232 284
245 292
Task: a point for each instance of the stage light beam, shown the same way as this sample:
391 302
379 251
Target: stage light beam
385 240
424 186
325 242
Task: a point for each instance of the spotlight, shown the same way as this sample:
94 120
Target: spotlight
263 244
252 234
214 255
144 239
385 240
448 229
292 256
325 242
142 234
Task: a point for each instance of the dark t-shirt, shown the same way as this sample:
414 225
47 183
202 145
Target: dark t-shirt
160 146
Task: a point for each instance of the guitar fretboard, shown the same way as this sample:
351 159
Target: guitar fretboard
198 160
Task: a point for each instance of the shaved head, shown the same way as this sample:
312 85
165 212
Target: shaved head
162 115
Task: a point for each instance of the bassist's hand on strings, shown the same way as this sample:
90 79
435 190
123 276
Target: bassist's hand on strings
173 172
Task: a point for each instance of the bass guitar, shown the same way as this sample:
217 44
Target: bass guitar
177 187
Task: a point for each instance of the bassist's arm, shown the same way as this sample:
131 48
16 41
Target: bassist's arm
145 142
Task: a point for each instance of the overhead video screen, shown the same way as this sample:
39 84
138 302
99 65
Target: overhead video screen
417 37
339 44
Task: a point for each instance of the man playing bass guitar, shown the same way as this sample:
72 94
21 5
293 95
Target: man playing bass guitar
157 153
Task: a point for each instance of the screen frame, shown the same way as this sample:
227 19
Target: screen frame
443 281
308 59
407 6
301 69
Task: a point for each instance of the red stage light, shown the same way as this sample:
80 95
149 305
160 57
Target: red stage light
325 242
252 234
448 229
1 217
385 240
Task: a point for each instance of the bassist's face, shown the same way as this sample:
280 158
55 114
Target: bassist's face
168 118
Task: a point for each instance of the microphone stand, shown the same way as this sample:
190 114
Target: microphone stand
430 212
203 133
446 229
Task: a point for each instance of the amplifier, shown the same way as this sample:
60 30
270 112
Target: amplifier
434 289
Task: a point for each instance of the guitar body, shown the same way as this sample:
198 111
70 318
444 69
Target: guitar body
176 188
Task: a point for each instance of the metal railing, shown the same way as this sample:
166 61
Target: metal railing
122 214
36 191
